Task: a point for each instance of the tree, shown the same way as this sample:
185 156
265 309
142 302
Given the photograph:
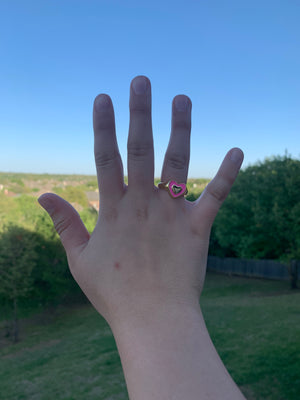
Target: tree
261 216
51 278
17 260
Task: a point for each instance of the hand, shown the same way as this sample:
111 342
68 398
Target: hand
148 251
144 265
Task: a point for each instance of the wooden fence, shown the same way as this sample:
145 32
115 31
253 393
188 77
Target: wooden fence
268 269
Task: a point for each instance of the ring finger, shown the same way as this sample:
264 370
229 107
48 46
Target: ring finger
176 162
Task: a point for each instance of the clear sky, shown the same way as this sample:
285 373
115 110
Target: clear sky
239 61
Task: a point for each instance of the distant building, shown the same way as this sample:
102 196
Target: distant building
9 194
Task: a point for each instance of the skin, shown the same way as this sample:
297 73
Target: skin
143 267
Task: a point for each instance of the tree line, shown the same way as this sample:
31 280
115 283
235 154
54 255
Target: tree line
34 271
260 219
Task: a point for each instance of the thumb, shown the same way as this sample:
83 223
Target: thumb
66 220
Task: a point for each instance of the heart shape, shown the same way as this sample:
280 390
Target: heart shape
177 189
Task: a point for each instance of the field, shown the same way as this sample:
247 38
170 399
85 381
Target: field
36 184
70 354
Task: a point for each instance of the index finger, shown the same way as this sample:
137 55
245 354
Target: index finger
107 157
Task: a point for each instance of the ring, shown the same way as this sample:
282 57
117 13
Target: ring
174 189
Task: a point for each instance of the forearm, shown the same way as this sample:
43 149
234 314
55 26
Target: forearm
169 355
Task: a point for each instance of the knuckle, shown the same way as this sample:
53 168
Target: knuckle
141 214
218 190
138 150
62 225
177 161
105 159
140 108
110 214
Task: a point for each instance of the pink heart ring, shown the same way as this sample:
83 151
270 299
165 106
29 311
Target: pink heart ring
174 189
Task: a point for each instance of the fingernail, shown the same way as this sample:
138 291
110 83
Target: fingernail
181 103
140 85
102 102
237 156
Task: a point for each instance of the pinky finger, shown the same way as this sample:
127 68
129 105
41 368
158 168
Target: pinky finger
218 189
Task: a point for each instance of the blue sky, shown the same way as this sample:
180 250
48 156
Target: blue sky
239 62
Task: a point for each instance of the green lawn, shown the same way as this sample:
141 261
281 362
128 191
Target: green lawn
255 325
71 354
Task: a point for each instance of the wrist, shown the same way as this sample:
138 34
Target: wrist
152 314
169 354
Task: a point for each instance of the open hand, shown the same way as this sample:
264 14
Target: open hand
148 250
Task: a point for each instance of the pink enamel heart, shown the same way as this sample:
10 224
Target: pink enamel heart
177 189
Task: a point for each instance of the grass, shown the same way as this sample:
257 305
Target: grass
255 325
71 354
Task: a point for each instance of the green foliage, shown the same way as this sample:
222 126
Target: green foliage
17 260
7 210
50 278
18 257
90 185
191 196
18 181
27 213
89 217
73 194
14 183
261 216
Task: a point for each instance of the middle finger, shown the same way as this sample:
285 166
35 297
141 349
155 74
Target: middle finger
140 139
